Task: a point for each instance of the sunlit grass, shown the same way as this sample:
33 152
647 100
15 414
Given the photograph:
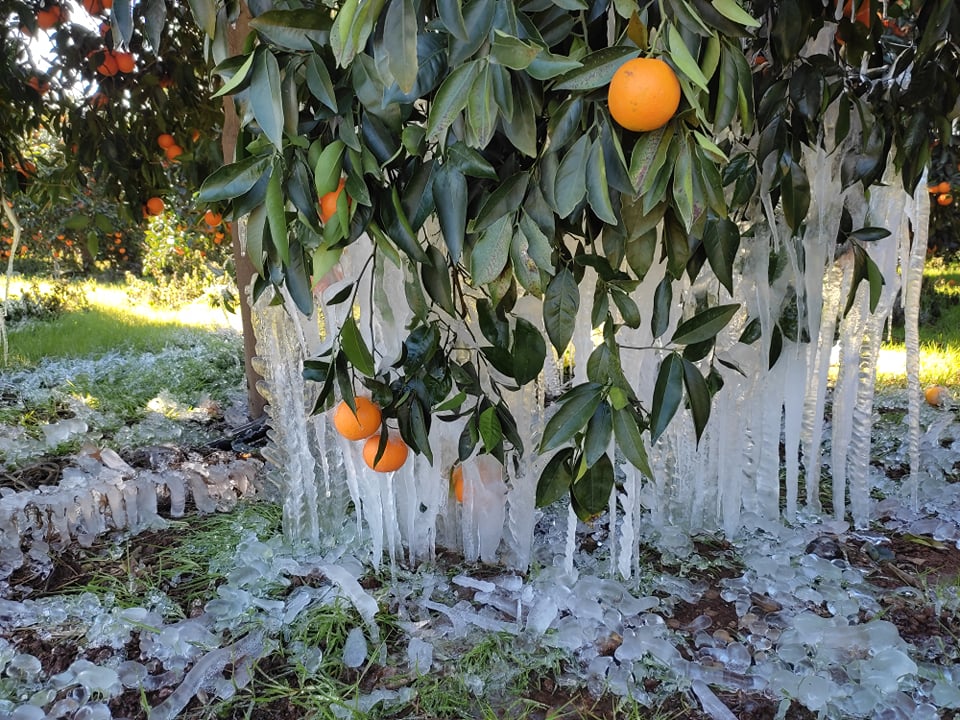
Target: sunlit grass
113 322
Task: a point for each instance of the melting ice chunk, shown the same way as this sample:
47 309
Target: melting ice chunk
355 649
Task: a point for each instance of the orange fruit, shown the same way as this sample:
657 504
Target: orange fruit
394 454
328 203
456 481
36 84
863 11
173 152
155 206
357 427
936 395
94 7
125 62
212 218
943 187
945 199
109 67
165 140
643 94
99 100
48 17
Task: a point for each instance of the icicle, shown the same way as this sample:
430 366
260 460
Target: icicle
915 250
571 544
583 328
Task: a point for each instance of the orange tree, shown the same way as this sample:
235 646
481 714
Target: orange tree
490 120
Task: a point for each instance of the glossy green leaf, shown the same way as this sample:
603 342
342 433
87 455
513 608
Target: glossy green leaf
470 162
590 494
641 250
400 42
491 251
400 231
418 430
478 18
627 307
319 82
626 430
451 98
598 435
698 396
677 245
731 9
525 268
667 394
596 69
560 304
662 300
529 352
521 127
469 438
538 245
721 239
276 213
351 29
436 279
795 196
264 97
571 183
256 228
297 280
234 180
870 234
555 479
598 193
451 15
503 201
121 17
490 430
547 66
683 199
649 156
685 62
450 196
205 13
512 52
329 168
238 80
705 324
353 346
576 409
481 115
295 29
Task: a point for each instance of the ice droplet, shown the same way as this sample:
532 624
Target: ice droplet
355 649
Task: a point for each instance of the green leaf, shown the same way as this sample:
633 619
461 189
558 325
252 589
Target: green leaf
154 18
77 222
451 98
478 17
256 229
418 435
319 82
538 245
205 13
491 252
667 394
265 97
556 478
329 168
599 432
451 15
297 280
795 196
400 231
875 280
662 300
525 268
577 407
352 27
469 438
521 127
626 430
677 245
721 239
591 493
234 180
490 430
684 61
640 251
470 162
529 352
503 201
450 195
482 110
596 69
627 307
560 304
704 325
436 279
869 234
547 66
745 104
512 52
698 395
598 194
648 156
732 11
571 183
400 42
295 29
277 214
353 346
122 19
683 185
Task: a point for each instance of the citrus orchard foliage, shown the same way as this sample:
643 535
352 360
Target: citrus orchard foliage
105 80
475 145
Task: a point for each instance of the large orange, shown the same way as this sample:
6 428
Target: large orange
945 199
643 94
49 17
328 203
936 395
173 152
125 62
155 206
943 187
212 218
165 140
109 67
394 454
357 427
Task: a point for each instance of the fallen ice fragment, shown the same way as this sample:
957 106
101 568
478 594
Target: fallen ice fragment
24 666
93 711
541 614
355 649
100 680
712 705
28 712
816 691
885 669
419 655
469 582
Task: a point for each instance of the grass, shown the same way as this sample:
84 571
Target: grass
111 323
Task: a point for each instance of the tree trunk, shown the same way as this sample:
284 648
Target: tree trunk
236 35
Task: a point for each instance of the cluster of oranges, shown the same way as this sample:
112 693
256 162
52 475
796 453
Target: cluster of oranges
50 16
942 194
115 61
169 145
364 425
